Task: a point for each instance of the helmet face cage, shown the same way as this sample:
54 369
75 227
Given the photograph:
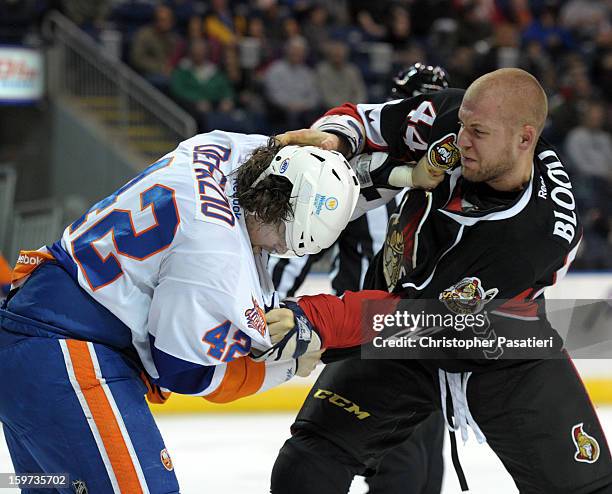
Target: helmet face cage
323 197
419 79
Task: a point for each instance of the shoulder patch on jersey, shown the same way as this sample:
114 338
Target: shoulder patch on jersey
256 318
444 154
468 296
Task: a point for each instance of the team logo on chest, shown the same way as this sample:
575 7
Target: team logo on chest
468 296
393 252
444 154
587 447
256 318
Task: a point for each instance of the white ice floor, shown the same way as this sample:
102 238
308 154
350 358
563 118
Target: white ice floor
233 454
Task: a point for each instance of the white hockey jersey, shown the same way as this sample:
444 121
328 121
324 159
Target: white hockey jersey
169 256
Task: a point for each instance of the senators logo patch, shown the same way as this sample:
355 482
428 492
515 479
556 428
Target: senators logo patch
587 447
444 154
467 297
256 318
166 460
393 252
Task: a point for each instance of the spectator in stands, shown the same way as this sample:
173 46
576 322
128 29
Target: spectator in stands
316 30
535 60
250 114
463 66
200 85
89 16
473 28
586 18
18 18
399 32
602 73
156 48
589 147
597 241
504 51
273 16
339 80
256 50
222 25
184 11
369 17
546 31
291 28
291 89
575 90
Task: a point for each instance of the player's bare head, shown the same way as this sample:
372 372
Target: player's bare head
502 115
269 199
510 96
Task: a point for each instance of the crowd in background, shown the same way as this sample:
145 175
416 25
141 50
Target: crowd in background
270 65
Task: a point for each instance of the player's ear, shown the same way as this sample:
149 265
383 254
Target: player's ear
527 137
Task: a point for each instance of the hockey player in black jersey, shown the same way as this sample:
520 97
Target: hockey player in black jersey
418 462
499 227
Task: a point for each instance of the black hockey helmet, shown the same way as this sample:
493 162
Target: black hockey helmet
418 79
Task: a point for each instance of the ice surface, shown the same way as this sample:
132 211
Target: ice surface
233 454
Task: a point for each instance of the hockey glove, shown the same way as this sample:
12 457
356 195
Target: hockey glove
381 171
307 363
291 333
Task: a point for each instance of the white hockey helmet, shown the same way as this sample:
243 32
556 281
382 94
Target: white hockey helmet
323 198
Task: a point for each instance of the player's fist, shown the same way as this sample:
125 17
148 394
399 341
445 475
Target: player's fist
425 176
307 363
310 137
291 333
280 322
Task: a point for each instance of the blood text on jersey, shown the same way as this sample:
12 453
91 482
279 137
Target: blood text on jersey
566 222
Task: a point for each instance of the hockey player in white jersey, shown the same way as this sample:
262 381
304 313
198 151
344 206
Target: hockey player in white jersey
162 285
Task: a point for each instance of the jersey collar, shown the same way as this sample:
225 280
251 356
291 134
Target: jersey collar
471 219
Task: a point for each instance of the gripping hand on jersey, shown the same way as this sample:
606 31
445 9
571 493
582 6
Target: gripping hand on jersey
421 176
293 337
391 172
313 137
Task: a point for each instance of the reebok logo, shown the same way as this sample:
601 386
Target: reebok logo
25 259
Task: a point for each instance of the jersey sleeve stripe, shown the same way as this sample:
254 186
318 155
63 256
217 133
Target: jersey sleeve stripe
243 377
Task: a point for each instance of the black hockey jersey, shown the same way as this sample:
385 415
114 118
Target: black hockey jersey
466 245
